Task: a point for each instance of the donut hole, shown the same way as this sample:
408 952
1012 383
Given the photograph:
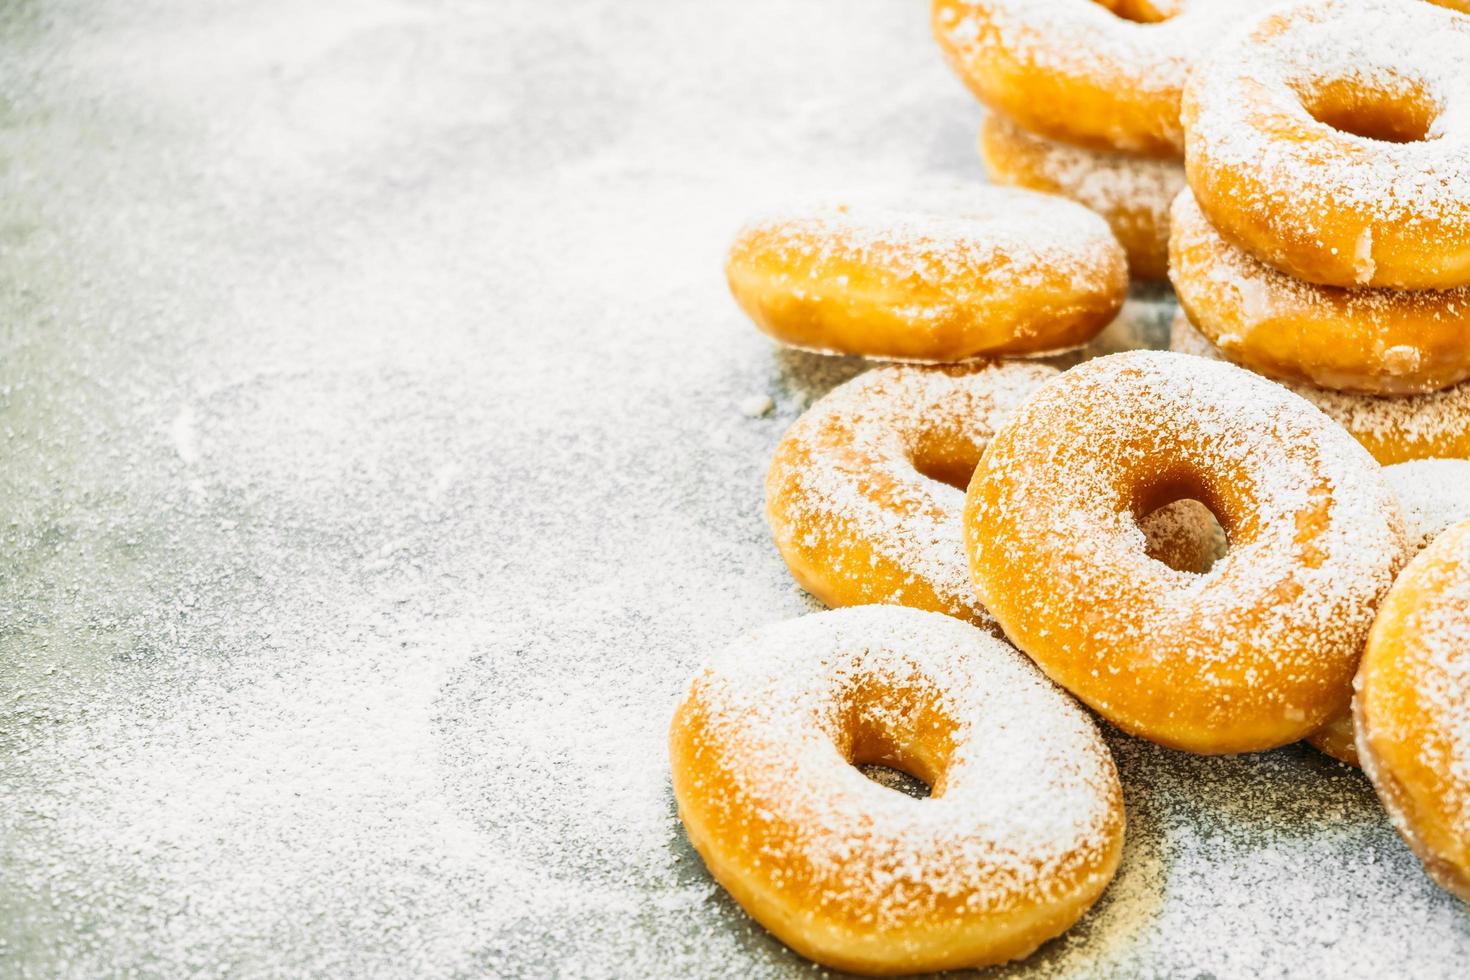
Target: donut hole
897 736
1184 534
895 779
946 458
1378 114
1140 11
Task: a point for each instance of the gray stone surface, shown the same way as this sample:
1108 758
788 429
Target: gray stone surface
374 475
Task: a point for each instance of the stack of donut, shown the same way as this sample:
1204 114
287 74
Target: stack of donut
1084 98
1208 552
1324 240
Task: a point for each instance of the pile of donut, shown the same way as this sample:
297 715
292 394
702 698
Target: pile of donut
1258 537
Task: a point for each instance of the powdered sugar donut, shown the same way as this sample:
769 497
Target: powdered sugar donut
1435 495
1333 141
1259 651
962 273
1022 830
1131 192
1392 429
863 494
1413 708
1369 341
1106 75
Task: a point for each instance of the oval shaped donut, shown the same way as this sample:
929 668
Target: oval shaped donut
1132 193
1392 429
1333 142
1367 341
1022 830
1435 496
1258 652
862 494
1412 708
971 272
1105 75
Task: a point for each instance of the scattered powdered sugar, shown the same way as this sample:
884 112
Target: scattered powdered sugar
1027 805
1435 494
1395 428
374 482
1295 606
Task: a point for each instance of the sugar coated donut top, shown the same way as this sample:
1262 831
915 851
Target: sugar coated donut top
947 233
1139 50
1315 537
1029 792
857 457
1435 494
1248 109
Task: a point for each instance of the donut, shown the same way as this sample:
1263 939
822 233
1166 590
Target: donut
1107 75
1131 192
1434 495
1331 141
1366 341
1259 651
1412 708
965 273
1392 429
864 494
1021 832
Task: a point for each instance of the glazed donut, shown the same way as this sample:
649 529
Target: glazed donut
1332 141
974 271
1022 830
1392 429
1259 651
1368 341
1106 75
1412 709
862 493
1435 495
1132 193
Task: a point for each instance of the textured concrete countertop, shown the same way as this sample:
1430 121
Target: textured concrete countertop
375 474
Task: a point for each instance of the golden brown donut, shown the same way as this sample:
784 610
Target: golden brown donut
962 273
1435 495
1331 141
1258 652
862 494
1022 830
1106 75
1392 429
1367 341
1131 192
1413 708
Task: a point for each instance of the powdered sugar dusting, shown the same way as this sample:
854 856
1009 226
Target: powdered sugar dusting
942 233
1435 494
1029 804
1296 606
1412 50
